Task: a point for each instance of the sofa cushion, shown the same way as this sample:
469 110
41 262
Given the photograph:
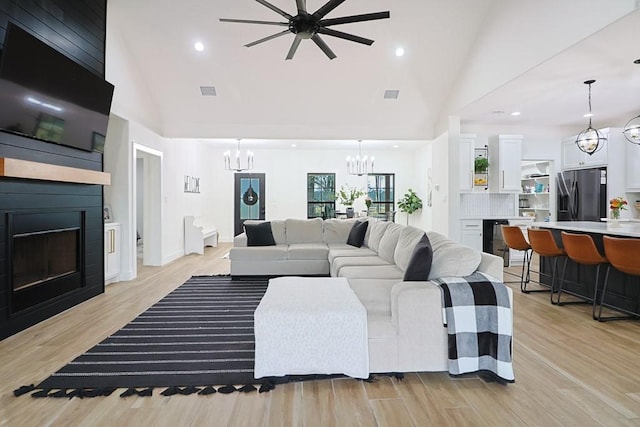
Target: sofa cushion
304 230
308 251
454 260
390 271
420 263
437 240
409 238
336 230
357 261
277 229
259 253
374 234
389 241
356 235
259 234
336 251
375 295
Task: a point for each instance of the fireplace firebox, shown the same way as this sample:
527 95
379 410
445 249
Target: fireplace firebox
46 252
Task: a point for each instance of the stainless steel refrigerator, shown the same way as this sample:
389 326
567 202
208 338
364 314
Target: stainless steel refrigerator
582 195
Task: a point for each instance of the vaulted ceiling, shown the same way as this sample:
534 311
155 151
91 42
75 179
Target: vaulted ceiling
468 58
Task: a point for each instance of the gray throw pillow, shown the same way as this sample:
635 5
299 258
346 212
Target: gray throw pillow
420 262
259 234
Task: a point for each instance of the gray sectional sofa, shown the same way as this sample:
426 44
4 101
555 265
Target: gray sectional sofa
404 318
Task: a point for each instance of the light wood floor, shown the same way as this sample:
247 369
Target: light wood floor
570 370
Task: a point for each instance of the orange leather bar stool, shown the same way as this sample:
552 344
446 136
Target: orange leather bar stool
543 243
580 249
514 239
623 255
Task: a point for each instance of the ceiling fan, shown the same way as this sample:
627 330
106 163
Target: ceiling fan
310 25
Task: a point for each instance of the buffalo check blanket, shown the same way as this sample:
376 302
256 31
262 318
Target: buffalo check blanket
478 317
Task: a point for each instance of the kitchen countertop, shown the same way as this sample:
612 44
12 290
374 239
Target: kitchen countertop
621 228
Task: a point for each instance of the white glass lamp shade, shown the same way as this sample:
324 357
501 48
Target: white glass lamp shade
632 130
590 140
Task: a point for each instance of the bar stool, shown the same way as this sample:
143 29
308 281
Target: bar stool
543 243
581 249
514 239
622 254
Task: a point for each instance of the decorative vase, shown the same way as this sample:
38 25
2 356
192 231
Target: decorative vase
350 212
615 213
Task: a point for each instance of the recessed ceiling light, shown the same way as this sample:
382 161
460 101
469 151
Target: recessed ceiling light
198 46
294 145
588 115
396 146
400 51
515 113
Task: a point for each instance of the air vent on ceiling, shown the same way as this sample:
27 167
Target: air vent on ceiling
391 94
208 90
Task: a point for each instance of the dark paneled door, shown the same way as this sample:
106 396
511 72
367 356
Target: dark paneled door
249 199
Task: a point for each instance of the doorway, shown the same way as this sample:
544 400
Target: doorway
147 206
249 199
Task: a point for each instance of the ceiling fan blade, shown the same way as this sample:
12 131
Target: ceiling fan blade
345 36
355 18
274 8
328 7
271 37
302 5
322 45
250 21
294 47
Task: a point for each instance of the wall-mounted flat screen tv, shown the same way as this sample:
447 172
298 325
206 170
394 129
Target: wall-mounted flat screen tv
45 95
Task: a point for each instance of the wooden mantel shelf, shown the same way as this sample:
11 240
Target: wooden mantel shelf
14 168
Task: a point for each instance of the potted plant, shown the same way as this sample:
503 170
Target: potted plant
481 165
346 196
410 203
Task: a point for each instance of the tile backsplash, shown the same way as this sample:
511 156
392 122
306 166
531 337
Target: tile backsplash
488 205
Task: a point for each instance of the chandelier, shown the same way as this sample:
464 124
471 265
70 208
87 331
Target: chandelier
632 128
590 140
359 165
236 165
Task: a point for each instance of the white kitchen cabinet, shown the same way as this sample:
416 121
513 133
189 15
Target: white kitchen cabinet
574 158
471 233
466 162
507 149
632 159
111 252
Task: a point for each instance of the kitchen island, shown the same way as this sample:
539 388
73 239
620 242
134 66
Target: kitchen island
623 290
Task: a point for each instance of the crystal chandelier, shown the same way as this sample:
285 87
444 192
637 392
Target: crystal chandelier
359 165
235 165
590 140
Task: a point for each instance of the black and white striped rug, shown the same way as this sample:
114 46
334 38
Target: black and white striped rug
199 338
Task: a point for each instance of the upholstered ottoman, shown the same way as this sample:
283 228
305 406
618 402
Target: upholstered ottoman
310 325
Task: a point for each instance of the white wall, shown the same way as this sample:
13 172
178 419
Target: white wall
440 170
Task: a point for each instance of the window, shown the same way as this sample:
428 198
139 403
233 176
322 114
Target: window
321 195
381 190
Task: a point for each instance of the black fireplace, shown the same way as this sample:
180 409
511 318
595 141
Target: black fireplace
46 256
51 249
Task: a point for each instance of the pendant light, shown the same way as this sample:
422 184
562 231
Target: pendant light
236 166
360 165
632 128
590 140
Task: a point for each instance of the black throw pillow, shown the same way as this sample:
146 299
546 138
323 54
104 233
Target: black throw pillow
356 235
420 262
259 234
